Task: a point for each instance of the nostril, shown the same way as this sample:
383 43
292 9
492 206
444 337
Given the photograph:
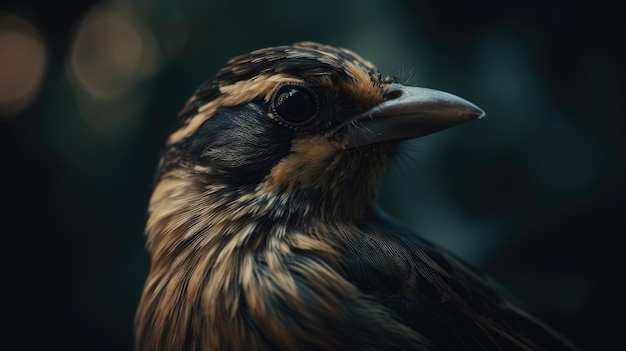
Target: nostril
392 94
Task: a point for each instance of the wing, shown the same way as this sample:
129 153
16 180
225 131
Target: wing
437 294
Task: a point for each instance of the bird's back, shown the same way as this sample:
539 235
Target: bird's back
437 294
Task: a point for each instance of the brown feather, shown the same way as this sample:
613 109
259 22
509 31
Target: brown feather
300 259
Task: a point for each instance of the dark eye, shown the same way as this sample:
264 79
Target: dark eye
295 104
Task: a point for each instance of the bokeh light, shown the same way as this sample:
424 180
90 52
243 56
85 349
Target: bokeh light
113 50
111 54
22 64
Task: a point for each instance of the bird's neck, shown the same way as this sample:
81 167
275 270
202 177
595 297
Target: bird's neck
205 240
191 210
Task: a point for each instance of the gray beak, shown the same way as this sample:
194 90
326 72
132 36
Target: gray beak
412 112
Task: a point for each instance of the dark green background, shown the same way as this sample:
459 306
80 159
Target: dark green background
533 194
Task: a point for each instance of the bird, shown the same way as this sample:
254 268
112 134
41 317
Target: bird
264 230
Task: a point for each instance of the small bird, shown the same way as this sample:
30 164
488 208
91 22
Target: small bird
263 227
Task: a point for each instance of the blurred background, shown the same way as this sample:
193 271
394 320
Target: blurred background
533 194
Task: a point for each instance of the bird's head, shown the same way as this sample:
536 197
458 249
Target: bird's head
304 129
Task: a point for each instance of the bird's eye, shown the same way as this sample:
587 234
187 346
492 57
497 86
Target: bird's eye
295 104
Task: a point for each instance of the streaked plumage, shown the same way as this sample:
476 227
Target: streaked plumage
263 229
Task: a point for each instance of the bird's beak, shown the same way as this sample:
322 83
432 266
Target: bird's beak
411 112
